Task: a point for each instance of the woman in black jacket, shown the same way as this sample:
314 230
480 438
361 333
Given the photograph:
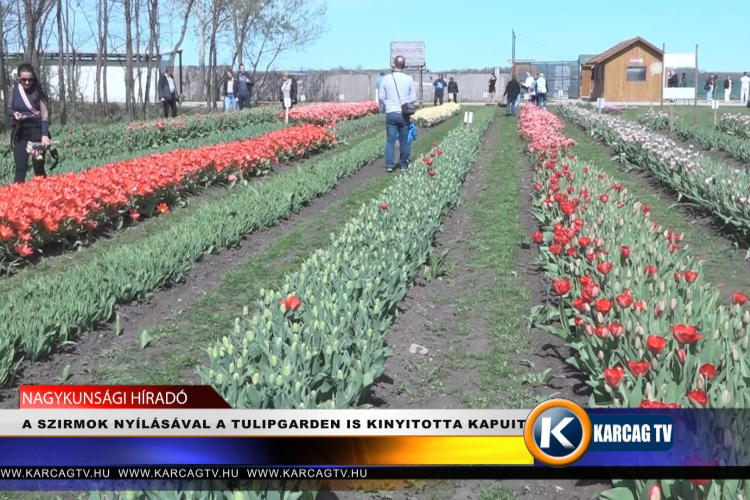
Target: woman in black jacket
30 113
452 90
231 92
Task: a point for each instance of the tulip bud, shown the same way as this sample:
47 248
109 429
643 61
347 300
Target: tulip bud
651 288
655 364
736 324
600 318
638 344
589 329
681 356
629 274
744 343
717 335
689 309
673 304
639 330
649 391
728 441
663 305
725 398
587 307
735 356
629 326
701 383
245 311
655 492
662 287
689 294
601 355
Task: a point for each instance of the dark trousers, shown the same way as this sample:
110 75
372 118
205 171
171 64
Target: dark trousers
21 156
438 97
455 97
243 101
170 104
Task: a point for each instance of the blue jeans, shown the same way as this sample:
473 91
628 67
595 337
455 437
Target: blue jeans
710 94
541 100
510 110
397 127
229 103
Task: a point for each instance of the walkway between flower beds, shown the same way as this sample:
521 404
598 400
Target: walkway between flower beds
182 320
725 264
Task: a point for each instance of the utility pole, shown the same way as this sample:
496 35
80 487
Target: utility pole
513 56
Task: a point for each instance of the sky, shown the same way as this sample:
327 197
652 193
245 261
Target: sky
477 33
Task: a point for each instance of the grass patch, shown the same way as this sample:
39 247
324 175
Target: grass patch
704 115
724 263
183 337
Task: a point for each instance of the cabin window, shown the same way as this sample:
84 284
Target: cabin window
636 74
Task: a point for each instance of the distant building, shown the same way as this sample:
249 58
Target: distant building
586 74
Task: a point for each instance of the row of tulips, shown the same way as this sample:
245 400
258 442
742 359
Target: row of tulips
735 124
429 117
78 143
708 139
63 208
632 305
327 112
318 342
719 189
38 314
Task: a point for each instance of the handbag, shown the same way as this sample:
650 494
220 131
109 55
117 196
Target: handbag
408 108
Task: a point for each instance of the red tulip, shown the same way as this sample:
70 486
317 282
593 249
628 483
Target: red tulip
638 306
584 241
624 301
672 248
739 298
657 312
603 306
291 303
384 206
655 344
650 271
708 370
591 257
585 280
598 241
654 493
24 250
590 292
647 403
638 368
579 304
555 249
690 276
604 268
604 198
677 277
561 286
538 238
134 214
616 329
431 173
699 397
602 331
571 251
686 334
625 251
613 376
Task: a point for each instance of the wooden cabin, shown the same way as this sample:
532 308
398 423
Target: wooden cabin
631 71
586 75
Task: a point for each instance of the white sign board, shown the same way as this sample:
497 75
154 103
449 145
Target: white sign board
679 93
413 52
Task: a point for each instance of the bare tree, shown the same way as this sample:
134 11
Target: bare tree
153 12
282 26
246 14
102 25
4 11
130 112
218 18
61 65
185 20
35 12
202 13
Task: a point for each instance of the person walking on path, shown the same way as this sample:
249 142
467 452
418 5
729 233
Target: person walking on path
512 91
167 93
452 91
439 85
231 92
245 89
744 87
541 91
709 88
526 85
727 88
378 82
399 94
491 90
30 114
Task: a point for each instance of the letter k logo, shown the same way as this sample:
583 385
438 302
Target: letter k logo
547 425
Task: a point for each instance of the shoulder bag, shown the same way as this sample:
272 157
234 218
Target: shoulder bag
407 108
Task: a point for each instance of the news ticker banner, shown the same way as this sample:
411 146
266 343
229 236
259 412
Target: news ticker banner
70 436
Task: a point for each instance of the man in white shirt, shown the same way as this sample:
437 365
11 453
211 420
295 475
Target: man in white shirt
744 87
397 89
541 91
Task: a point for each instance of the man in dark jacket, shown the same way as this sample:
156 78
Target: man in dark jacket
245 95
512 91
439 85
167 92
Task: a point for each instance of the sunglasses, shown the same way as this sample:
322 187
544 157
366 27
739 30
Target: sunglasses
26 80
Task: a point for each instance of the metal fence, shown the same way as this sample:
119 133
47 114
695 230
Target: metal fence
563 78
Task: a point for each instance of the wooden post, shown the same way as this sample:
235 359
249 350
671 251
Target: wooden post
671 117
663 75
695 104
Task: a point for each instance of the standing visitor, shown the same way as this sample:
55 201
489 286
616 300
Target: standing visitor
167 93
672 81
381 107
288 92
541 91
744 87
512 91
245 87
399 95
30 116
231 92
452 91
526 86
727 88
493 80
683 80
709 87
439 85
